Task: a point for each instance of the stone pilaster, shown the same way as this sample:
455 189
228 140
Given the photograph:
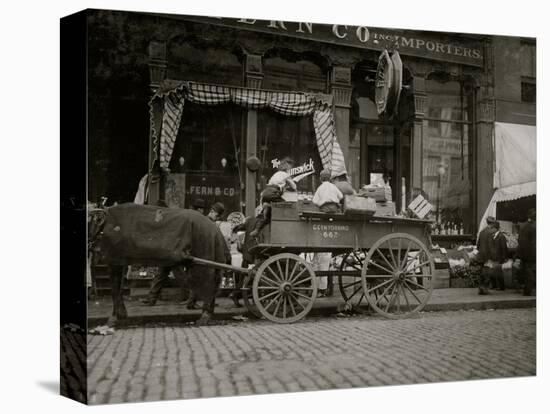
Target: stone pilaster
253 79
420 98
340 88
157 64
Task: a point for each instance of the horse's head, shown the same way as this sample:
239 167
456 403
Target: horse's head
96 221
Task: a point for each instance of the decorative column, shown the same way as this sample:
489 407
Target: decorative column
340 88
419 93
157 73
157 64
253 79
484 150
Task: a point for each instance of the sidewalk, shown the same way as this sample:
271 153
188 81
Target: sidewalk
170 311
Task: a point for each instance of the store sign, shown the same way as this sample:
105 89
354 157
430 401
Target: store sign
212 189
297 173
437 46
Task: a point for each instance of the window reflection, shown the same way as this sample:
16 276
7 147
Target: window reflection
280 136
446 156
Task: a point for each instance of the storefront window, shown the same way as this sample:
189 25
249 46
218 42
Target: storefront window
447 166
204 162
281 136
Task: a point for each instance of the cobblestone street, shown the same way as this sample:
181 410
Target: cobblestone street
167 362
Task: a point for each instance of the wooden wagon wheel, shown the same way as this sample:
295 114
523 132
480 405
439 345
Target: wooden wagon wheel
351 288
284 288
397 275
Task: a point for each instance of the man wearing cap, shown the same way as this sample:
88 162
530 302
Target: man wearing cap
484 247
216 211
328 196
198 205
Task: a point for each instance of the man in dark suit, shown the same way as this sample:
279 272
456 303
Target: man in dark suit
484 247
527 252
498 255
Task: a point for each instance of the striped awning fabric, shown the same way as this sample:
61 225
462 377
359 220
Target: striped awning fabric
286 103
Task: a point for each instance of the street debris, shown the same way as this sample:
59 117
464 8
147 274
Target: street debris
102 330
239 318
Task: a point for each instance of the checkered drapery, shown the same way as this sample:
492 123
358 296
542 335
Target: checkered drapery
286 103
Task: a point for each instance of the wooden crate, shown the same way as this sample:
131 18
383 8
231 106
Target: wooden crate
359 205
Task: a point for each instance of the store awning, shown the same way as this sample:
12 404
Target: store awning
170 104
515 154
515 165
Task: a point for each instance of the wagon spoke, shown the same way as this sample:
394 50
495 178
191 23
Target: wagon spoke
274 274
281 273
383 295
404 261
405 296
293 270
391 298
355 292
391 255
417 266
286 268
291 305
378 265
303 296
355 266
296 300
414 275
278 305
268 295
416 284
398 296
302 288
284 306
272 301
412 293
269 281
351 284
399 256
297 276
385 259
301 281
380 285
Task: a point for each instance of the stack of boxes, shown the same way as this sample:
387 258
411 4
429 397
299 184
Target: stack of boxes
385 207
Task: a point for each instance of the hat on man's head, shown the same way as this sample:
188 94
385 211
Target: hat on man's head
218 208
325 175
199 203
491 220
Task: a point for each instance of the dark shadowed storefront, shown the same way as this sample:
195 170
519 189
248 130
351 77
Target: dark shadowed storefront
440 140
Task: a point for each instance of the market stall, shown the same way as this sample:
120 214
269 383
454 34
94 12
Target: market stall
515 165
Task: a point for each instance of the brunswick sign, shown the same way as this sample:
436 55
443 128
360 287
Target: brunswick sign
430 45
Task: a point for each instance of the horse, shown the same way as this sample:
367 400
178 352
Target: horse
133 234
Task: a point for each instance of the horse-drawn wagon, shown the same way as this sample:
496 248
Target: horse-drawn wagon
381 262
384 262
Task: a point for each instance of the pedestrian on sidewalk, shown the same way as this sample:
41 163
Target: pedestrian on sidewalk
484 254
527 252
498 255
